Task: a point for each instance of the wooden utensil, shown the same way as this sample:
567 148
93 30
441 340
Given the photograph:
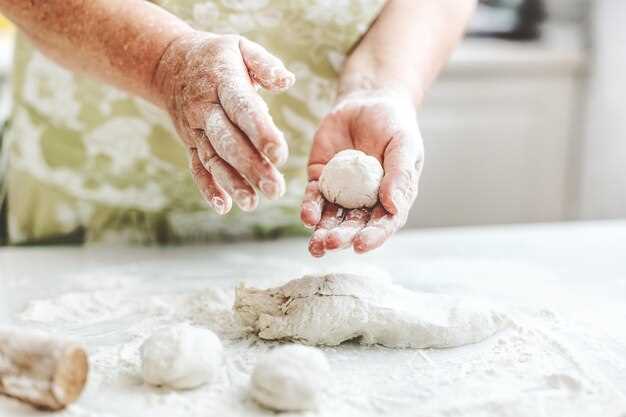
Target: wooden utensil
42 370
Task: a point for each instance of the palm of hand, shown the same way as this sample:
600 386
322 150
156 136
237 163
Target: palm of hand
380 124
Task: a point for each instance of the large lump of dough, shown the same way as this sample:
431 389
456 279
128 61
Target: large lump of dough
334 308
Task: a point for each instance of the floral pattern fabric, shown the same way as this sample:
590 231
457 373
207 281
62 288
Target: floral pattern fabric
90 162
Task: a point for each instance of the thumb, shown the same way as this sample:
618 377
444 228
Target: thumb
403 162
265 68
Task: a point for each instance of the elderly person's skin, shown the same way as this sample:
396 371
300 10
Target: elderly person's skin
208 82
382 84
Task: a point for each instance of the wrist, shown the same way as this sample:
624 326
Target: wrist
352 83
171 59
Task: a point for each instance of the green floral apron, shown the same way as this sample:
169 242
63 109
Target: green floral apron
88 162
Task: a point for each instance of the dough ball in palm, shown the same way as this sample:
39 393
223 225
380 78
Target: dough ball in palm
351 179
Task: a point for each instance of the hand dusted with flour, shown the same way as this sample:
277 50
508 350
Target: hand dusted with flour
382 83
121 148
208 84
383 125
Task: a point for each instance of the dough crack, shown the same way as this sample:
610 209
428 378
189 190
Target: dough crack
331 309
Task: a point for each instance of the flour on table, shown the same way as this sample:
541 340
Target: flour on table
334 308
538 366
181 357
290 378
91 306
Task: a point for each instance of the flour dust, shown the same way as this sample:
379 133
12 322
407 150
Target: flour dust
529 369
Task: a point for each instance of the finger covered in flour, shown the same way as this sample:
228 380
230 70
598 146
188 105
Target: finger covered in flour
265 68
249 112
225 175
341 236
403 162
312 204
331 217
232 145
215 195
379 228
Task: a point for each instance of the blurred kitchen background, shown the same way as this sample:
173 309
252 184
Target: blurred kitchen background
526 124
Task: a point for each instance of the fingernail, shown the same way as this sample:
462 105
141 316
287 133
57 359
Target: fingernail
336 240
306 222
316 244
359 245
245 200
284 80
276 153
290 79
305 213
268 187
218 205
271 189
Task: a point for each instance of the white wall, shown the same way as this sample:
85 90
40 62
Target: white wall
602 191
572 10
498 132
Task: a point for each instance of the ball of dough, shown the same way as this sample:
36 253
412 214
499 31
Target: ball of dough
290 378
351 179
181 357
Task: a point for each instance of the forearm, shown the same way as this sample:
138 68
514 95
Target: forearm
407 46
117 41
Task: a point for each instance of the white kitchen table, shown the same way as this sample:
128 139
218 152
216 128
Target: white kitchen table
563 284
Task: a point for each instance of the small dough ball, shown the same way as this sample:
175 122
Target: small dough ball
181 357
351 179
290 378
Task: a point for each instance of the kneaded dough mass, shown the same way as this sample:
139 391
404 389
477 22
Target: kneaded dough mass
334 308
181 357
351 179
290 378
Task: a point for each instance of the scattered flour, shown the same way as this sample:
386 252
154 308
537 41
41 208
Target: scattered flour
93 306
531 368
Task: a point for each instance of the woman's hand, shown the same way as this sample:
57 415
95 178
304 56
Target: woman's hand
208 85
381 123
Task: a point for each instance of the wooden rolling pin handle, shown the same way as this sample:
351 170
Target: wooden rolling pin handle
44 371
